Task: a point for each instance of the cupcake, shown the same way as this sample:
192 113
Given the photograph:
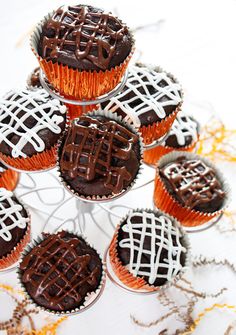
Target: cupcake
73 111
8 178
148 250
33 81
14 228
31 123
189 188
84 51
59 272
99 157
151 99
183 136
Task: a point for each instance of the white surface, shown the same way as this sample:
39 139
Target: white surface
196 42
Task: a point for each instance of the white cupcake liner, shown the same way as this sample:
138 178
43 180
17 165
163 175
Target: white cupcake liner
91 297
97 198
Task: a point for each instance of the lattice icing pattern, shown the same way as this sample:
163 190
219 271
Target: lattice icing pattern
193 182
11 210
94 154
147 89
21 106
184 126
164 237
62 271
81 30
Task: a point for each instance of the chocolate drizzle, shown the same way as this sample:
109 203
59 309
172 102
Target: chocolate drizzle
96 148
84 32
193 184
60 271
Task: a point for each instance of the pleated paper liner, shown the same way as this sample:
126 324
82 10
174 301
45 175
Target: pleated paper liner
9 179
97 198
41 161
186 216
152 156
80 84
14 255
138 283
91 297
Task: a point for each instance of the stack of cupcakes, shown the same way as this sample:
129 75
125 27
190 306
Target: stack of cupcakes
84 53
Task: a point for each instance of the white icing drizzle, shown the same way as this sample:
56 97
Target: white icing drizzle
42 111
146 78
146 228
183 128
12 213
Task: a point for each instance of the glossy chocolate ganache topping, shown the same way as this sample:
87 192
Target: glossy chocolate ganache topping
149 95
193 184
60 271
30 122
13 222
84 37
99 156
183 132
151 247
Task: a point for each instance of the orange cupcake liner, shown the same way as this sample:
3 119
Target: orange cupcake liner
40 161
122 273
156 130
151 156
15 254
186 216
79 84
9 179
74 111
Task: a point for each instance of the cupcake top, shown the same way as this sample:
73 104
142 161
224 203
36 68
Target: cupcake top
60 271
149 95
84 37
183 132
13 222
33 80
99 156
30 122
150 246
193 184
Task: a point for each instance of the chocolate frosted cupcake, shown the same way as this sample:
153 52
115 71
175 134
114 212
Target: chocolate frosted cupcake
8 178
151 99
190 188
148 250
83 50
99 157
31 123
14 228
33 81
60 271
183 136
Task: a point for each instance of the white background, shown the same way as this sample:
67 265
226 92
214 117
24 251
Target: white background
195 40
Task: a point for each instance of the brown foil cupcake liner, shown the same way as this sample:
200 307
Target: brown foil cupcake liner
97 198
95 294
41 161
186 216
156 130
15 254
9 179
138 283
152 156
79 84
